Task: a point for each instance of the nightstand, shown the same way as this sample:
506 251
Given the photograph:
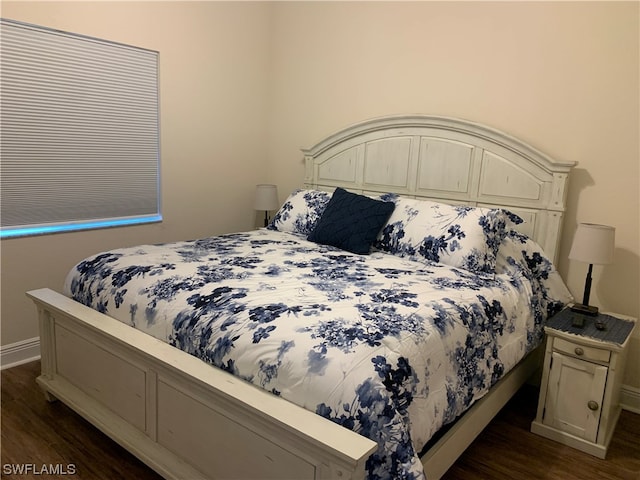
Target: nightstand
579 400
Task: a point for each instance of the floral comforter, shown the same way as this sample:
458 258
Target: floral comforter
388 347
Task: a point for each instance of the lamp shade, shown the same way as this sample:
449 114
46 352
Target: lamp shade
593 244
266 197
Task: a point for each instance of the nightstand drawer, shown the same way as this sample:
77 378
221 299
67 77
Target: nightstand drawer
580 351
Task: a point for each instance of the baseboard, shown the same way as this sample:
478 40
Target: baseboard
18 353
630 399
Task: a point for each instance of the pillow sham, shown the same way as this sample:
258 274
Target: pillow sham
351 221
300 212
457 235
514 251
520 256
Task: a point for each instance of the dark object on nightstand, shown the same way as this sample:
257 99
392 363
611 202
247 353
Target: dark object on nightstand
577 321
599 323
584 309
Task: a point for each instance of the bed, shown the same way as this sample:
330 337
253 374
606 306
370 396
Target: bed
296 351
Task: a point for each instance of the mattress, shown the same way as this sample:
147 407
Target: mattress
384 345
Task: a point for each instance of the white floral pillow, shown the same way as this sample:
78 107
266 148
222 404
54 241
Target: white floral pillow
300 212
519 256
460 236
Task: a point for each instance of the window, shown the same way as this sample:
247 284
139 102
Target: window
79 132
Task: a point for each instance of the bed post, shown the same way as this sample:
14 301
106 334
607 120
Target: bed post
309 173
47 350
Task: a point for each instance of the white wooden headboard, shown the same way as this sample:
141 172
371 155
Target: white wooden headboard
448 160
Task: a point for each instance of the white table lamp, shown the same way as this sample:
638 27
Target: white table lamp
266 199
592 244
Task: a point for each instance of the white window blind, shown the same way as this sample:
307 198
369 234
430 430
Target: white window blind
79 132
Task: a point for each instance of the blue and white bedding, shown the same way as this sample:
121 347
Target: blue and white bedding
385 345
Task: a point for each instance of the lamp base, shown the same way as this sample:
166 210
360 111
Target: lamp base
584 309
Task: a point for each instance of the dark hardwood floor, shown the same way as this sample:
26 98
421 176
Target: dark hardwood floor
39 433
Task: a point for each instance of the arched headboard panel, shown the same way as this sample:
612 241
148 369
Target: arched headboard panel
448 160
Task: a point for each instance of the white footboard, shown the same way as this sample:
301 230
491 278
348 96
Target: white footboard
182 417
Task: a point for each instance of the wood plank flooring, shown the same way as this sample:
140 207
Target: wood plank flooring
39 433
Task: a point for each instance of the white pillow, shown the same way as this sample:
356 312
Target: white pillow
300 212
519 256
460 236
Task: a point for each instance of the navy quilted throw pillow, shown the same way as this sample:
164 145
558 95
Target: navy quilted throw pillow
351 221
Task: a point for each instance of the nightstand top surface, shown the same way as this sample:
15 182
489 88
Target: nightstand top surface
617 330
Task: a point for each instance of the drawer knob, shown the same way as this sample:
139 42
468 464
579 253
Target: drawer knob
593 405
579 351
